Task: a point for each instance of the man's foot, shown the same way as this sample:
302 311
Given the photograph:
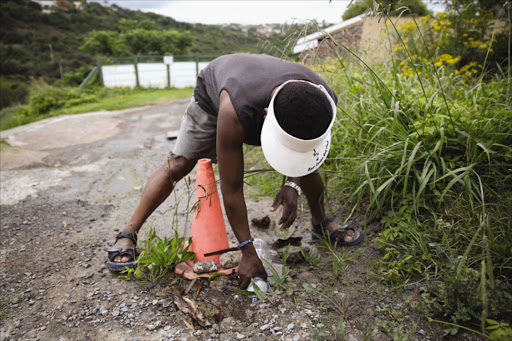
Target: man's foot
122 254
336 234
123 243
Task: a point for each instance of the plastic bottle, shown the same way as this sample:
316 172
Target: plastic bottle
262 285
261 248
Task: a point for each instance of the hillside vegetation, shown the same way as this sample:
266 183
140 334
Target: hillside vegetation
61 47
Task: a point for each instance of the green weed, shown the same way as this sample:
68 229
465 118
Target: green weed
278 279
497 331
159 256
339 260
331 328
3 313
396 325
311 257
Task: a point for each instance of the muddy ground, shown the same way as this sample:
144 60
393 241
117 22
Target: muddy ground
68 183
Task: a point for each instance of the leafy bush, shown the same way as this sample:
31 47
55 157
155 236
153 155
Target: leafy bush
45 98
464 42
428 149
393 7
12 91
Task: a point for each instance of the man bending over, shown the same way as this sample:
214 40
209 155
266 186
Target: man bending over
260 100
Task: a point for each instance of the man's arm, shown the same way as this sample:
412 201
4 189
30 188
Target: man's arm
230 136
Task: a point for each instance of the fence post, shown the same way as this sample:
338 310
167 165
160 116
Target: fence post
100 71
89 77
168 75
136 71
197 66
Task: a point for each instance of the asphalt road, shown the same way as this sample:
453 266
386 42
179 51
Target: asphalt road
101 158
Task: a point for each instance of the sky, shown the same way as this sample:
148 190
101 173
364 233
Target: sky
252 12
240 11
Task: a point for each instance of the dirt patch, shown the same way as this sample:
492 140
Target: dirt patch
54 286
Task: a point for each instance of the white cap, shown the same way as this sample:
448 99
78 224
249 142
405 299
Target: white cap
289 155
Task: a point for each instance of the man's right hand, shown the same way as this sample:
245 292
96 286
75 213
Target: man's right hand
250 266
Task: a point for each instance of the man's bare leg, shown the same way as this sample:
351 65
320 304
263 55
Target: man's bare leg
159 187
313 188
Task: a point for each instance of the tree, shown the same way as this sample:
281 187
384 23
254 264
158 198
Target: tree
137 42
104 43
392 7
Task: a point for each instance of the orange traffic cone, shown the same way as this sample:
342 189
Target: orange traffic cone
208 228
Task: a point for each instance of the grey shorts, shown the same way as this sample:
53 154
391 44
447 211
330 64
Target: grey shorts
197 138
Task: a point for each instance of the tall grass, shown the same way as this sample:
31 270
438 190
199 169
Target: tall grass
430 152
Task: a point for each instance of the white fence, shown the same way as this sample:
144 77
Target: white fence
175 74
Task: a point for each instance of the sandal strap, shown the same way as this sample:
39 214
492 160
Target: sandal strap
320 227
131 236
112 253
339 234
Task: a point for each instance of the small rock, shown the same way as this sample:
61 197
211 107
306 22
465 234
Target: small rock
264 327
422 332
205 267
240 336
351 337
115 313
261 222
294 253
296 337
377 335
230 259
290 327
155 325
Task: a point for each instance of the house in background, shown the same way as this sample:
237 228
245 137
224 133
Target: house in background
49 5
365 35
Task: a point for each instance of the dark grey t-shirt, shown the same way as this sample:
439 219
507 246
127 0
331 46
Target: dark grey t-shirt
249 79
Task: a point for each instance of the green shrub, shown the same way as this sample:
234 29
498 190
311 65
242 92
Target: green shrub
12 91
45 98
428 149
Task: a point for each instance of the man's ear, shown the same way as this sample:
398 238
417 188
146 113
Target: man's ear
265 112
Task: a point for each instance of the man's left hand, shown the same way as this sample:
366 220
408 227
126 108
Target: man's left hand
287 197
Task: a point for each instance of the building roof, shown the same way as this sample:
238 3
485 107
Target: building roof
311 41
